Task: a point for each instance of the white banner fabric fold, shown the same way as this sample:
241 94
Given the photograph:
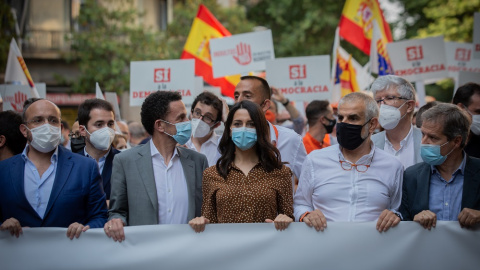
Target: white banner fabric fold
247 246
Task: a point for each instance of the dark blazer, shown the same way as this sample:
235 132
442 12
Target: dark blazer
77 193
107 172
416 188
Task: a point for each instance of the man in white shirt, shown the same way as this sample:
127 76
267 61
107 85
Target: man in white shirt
206 117
287 141
395 97
158 182
353 181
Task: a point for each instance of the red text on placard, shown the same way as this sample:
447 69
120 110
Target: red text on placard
298 72
161 75
414 53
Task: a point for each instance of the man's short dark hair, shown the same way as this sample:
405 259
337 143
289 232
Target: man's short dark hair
10 122
65 125
156 106
418 117
27 104
315 110
265 88
210 99
90 104
465 92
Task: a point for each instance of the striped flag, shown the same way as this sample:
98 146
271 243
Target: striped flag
17 71
205 27
379 60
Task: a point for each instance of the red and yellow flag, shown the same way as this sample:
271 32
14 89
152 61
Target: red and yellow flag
356 23
346 76
205 27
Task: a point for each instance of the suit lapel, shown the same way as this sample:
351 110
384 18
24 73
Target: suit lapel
471 186
18 183
423 187
188 167
64 167
107 168
145 170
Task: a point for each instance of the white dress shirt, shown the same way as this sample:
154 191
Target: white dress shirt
208 148
291 148
171 187
349 195
406 153
100 162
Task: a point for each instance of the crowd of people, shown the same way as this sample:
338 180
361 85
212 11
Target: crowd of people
368 158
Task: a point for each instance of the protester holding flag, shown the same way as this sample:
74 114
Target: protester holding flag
249 183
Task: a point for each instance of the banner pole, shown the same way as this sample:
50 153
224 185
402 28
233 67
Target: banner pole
420 87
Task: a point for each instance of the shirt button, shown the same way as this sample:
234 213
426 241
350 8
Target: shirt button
169 210
446 204
168 190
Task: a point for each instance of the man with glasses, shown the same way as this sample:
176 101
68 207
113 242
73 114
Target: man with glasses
467 97
353 181
206 117
396 99
158 182
47 185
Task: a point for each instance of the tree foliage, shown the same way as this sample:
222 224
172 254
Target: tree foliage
7 32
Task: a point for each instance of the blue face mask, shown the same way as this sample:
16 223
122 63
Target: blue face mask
244 138
431 154
184 131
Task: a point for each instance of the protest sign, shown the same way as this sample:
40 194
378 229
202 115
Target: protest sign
419 59
240 54
167 75
466 77
301 78
459 58
14 95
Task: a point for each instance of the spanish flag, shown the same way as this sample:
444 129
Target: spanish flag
346 76
205 27
356 23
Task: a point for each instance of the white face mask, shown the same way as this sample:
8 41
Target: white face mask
45 138
475 127
200 129
390 116
102 138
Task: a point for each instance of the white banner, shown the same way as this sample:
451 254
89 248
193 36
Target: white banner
241 53
418 59
476 35
14 95
301 78
168 75
247 246
459 58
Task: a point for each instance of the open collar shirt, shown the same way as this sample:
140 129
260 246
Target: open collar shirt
406 153
101 161
208 148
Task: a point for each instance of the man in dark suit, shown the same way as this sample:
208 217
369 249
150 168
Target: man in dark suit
158 182
96 120
446 186
47 185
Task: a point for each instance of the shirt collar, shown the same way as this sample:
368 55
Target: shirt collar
405 140
213 139
87 155
54 157
460 169
365 159
154 151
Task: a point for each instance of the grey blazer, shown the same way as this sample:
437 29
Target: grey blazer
134 195
379 141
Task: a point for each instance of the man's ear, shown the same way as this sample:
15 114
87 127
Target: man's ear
158 125
24 130
266 105
373 125
3 141
411 106
82 130
457 141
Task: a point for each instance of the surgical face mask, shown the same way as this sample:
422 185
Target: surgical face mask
200 129
77 144
331 125
45 138
350 136
390 116
184 131
475 127
244 138
102 138
431 154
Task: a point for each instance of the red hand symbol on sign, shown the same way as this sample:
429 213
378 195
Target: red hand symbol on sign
244 54
19 100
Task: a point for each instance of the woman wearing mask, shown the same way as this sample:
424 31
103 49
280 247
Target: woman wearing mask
249 183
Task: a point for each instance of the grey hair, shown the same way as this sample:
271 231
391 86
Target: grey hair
404 88
454 120
370 104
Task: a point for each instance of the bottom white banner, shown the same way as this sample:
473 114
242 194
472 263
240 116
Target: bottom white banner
247 246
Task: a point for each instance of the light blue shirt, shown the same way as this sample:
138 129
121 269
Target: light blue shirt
101 161
38 189
446 197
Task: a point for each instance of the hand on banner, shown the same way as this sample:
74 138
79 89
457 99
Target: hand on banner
387 220
316 219
12 225
114 229
426 218
468 217
225 110
281 222
244 54
278 96
198 224
75 229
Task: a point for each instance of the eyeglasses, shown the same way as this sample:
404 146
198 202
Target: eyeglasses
389 100
74 135
207 119
40 120
347 166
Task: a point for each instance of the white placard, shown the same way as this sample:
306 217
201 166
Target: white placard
14 95
241 53
301 78
168 75
217 91
459 58
419 59
476 35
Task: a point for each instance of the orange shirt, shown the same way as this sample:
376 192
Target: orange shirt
312 144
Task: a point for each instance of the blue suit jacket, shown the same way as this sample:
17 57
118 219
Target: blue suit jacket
77 193
107 172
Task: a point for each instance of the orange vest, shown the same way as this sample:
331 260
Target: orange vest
312 144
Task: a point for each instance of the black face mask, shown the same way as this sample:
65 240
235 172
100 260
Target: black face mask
77 144
350 136
331 125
